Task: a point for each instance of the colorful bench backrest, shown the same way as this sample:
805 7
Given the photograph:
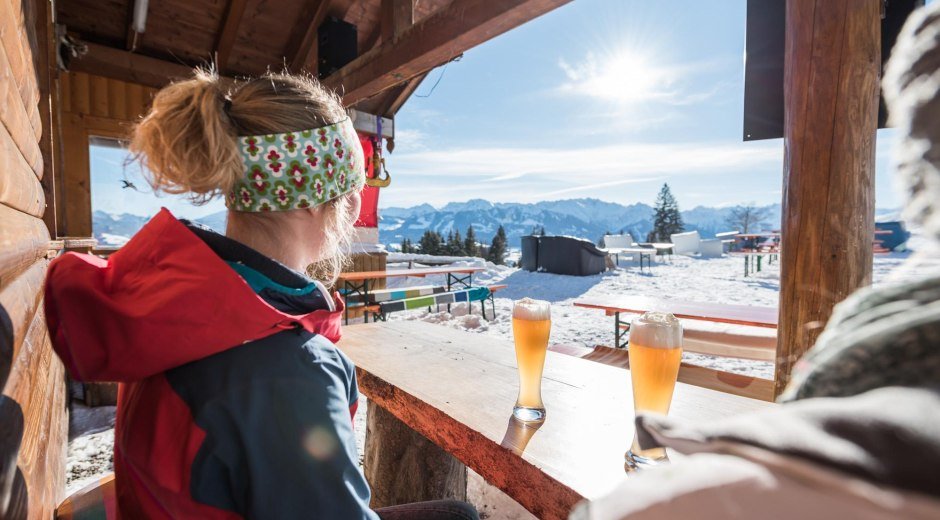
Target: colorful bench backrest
472 294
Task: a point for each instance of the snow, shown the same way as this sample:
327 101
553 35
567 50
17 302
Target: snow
685 278
108 239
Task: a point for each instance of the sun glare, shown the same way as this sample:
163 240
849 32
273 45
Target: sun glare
624 76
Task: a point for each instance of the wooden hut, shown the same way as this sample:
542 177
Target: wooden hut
75 69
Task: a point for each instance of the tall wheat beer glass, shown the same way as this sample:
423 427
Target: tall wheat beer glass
655 354
531 325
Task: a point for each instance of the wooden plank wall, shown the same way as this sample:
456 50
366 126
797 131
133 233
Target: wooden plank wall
92 106
33 404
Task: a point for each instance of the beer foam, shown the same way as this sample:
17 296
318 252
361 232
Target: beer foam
533 310
656 330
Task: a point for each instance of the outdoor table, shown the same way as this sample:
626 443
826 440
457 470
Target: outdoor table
461 398
752 259
662 248
716 312
641 252
358 282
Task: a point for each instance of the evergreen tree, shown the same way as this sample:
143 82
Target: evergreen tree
407 246
430 243
470 243
667 219
497 253
454 245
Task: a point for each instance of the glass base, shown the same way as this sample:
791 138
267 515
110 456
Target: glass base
635 462
524 413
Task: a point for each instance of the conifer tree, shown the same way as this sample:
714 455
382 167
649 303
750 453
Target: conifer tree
430 243
406 246
470 243
667 219
497 253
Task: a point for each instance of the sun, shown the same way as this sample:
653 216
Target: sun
623 76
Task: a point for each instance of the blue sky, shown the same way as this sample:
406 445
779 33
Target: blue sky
599 98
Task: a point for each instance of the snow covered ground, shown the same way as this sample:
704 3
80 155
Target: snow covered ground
707 280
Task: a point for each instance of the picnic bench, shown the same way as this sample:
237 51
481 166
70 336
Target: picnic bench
407 300
461 401
752 259
718 343
357 285
639 252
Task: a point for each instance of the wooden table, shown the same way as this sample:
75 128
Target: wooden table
717 312
457 389
641 252
357 282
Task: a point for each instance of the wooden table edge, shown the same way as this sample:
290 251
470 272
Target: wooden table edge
538 492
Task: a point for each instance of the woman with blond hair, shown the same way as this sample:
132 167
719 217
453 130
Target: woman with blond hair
234 401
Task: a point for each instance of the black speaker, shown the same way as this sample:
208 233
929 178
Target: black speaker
336 46
763 66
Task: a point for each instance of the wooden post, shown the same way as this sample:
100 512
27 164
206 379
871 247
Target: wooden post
403 467
831 80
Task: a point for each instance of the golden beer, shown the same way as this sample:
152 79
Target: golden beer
531 327
655 355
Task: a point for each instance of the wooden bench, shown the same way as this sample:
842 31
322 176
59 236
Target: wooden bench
461 401
469 295
384 295
641 252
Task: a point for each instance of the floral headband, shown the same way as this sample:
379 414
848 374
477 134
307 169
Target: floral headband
297 170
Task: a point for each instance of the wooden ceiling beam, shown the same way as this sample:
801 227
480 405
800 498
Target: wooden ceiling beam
438 38
302 45
127 66
396 101
226 40
395 17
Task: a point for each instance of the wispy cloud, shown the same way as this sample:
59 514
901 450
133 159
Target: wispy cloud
582 165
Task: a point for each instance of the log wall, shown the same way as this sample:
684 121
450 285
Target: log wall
33 403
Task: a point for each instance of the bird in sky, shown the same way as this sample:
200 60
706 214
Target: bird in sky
128 184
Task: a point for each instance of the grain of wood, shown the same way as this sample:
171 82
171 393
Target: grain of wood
117 104
16 45
81 93
65 91
76 182
831 72
462 400
37 384
23 240
20 188
15 118
20 299
98 89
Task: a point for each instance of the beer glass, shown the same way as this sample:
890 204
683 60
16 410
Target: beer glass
655 351
531 325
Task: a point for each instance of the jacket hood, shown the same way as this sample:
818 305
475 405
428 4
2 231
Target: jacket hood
163 300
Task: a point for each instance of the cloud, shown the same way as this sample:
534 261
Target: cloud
581 165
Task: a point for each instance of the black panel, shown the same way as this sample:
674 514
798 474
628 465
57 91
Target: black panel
337 46
763 65
763 69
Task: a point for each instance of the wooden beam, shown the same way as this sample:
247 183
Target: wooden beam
831 76
403 94
223 45
302 46
437 39
130 67
47 75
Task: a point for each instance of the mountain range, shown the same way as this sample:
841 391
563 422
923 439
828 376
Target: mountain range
587 218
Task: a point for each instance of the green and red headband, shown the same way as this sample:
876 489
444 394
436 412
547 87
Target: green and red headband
297 170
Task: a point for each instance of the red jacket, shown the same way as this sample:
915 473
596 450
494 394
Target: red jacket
220 389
